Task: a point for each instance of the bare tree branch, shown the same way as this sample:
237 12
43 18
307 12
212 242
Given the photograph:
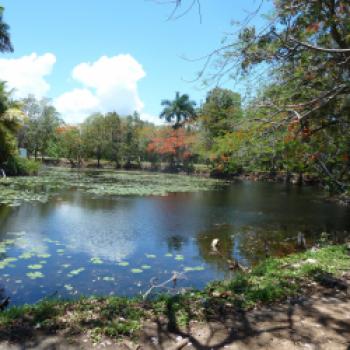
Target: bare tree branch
318 48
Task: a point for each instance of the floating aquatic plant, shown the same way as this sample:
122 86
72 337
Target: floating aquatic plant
43 255
35 275
150 256
96 261
195 268
68 287
123 263
108 279
15 191
35 266
26 255
179 257
146 267
136 270
75 272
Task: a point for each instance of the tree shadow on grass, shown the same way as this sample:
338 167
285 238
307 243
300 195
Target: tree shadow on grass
302 321
314 320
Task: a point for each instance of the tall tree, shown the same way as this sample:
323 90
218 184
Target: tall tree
39 130
5 41
10 120
221 111
179 110
304 55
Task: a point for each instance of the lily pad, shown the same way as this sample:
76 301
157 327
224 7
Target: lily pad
96 261
69 287
146 267
136 270
150 256
26 255
179 257
169 255
123 263
35 266
76 272
108 279
195 268
43 255
35 275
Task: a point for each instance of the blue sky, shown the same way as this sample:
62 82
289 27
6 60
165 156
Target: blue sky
143 51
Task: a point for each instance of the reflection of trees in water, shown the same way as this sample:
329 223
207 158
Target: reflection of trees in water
95 202
5 214
204 239
247 244
275 240
4 299
176 242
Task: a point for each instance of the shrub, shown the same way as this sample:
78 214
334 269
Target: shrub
16 166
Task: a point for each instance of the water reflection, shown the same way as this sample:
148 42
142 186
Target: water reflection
78 239
225 247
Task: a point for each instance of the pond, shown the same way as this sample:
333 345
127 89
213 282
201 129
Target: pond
66 234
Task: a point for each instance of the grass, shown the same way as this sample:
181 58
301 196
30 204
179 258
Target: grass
272 280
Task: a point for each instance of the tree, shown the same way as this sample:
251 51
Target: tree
114 145
303 53
181 109
10 121
5 41
173 145
220 112
96 136
39 130
70 144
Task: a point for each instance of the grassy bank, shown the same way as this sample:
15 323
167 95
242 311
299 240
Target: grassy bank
275 279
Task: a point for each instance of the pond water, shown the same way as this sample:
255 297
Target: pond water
79 243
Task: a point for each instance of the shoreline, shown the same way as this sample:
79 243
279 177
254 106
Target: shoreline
274 281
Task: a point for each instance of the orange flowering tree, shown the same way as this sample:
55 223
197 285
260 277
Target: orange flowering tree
173 145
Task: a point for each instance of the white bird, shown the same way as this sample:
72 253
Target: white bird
214 244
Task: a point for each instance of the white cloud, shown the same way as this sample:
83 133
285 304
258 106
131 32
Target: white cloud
76 104
109 84
152 118
26 74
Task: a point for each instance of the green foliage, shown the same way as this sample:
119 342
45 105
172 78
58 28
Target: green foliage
220 113
277 278
18 166
300 114
38 134
5 41
181 109
10 119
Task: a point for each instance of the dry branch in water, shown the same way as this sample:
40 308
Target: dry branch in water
164 285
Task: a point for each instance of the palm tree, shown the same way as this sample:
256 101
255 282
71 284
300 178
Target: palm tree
5 42
181 109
